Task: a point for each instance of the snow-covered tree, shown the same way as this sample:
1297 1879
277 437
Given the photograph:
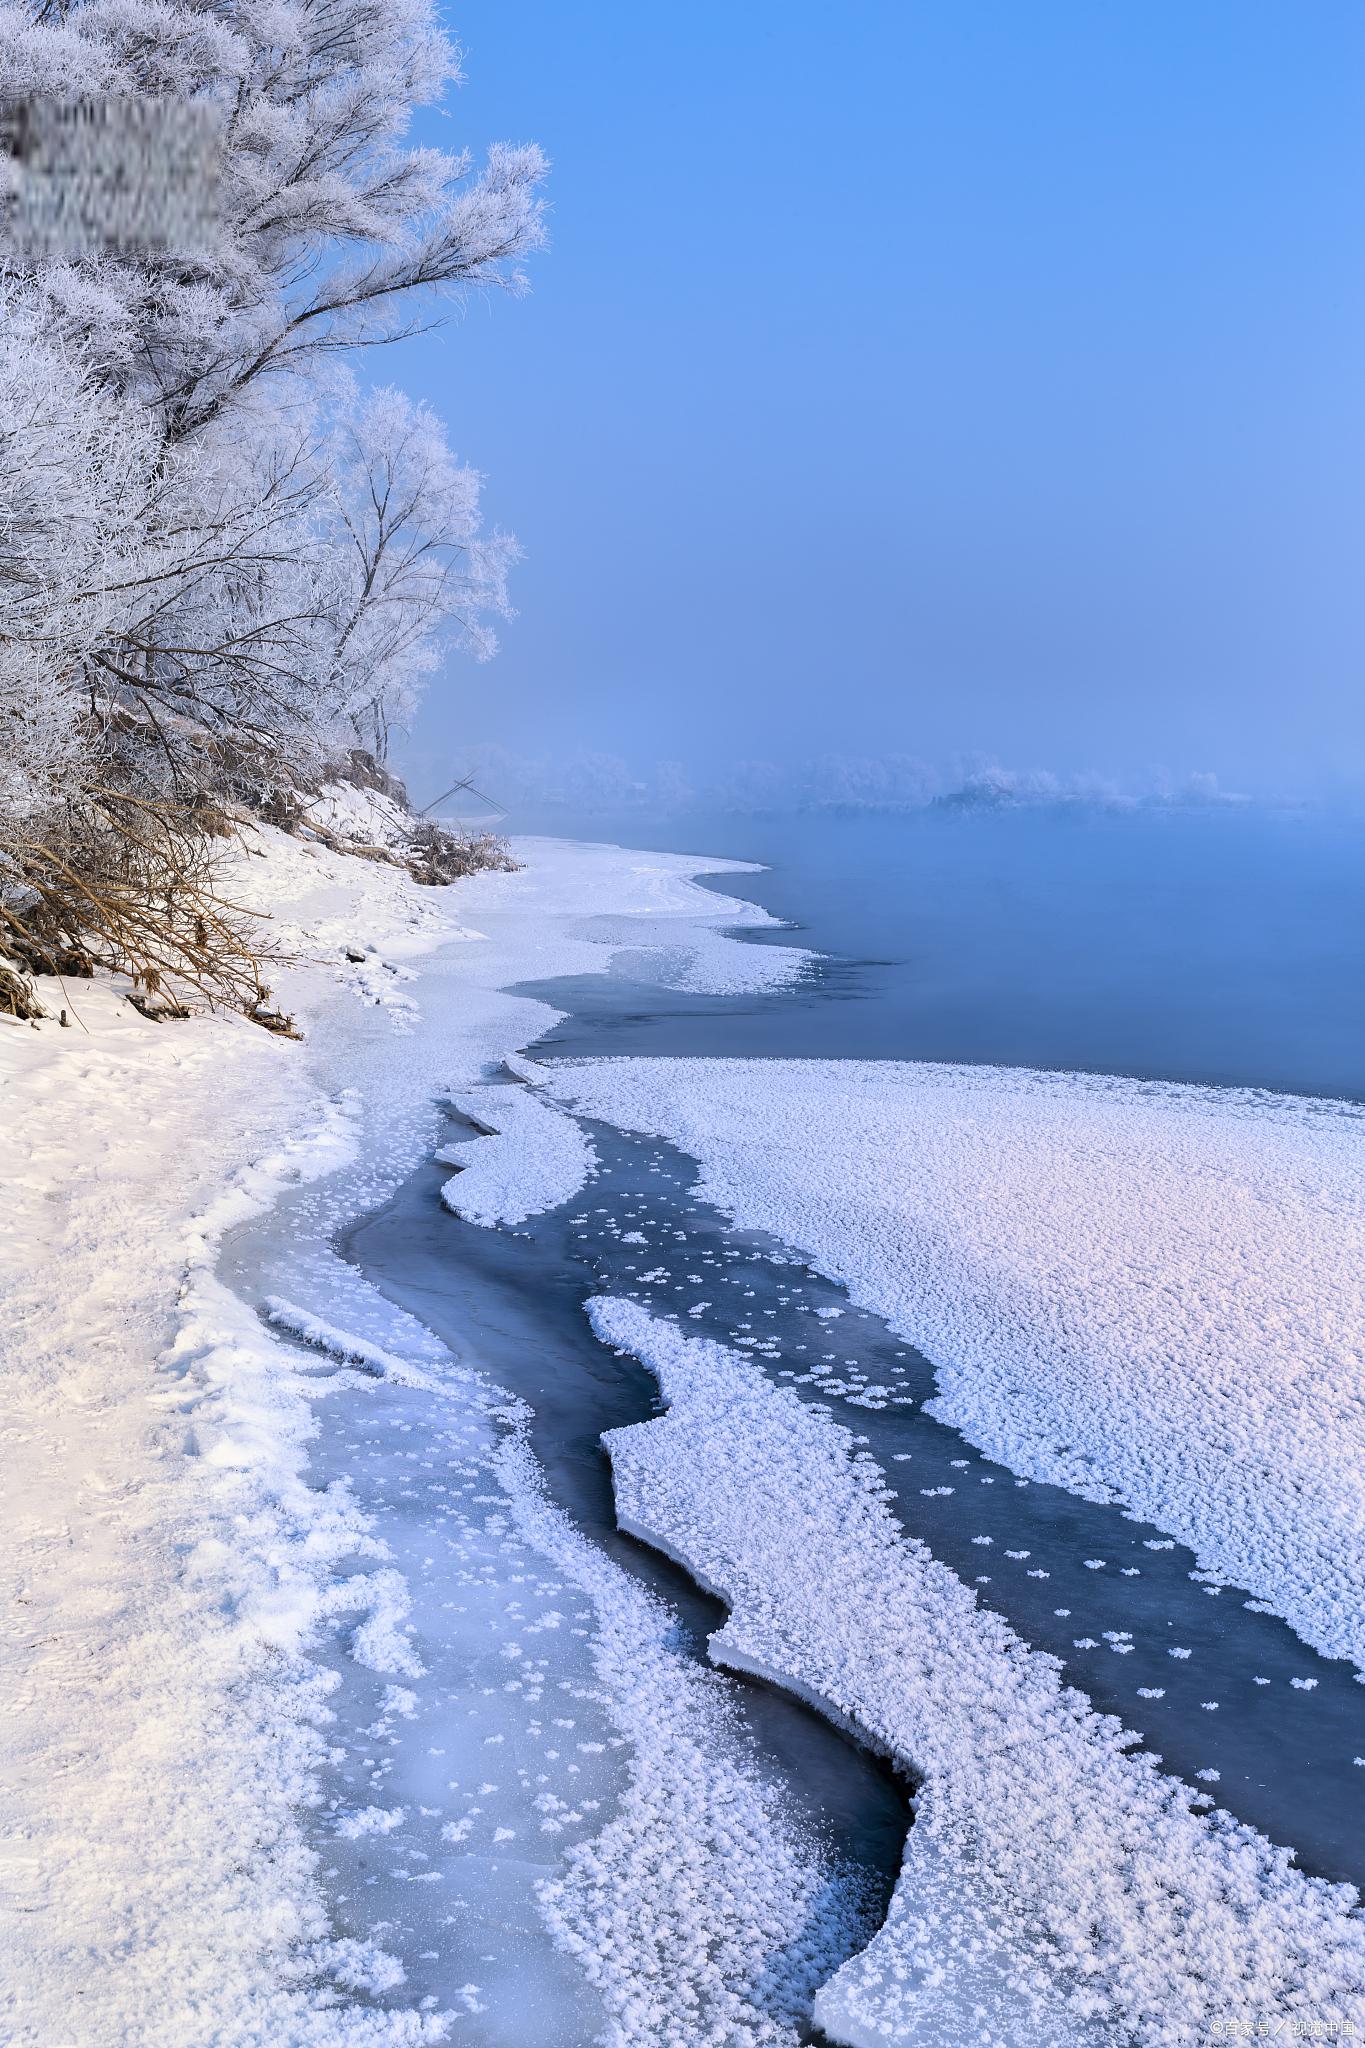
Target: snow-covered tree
411 556
219 562
329 223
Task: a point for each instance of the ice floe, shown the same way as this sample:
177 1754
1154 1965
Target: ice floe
530 1156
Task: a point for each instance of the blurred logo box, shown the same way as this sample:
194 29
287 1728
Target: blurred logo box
126 176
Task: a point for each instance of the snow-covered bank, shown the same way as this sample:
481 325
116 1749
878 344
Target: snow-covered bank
1143 1292
166 1561
1057 1888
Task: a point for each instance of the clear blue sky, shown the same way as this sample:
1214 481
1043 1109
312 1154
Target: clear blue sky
958 375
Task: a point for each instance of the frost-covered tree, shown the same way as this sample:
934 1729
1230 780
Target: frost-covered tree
410 552
218 562
72 462
329 222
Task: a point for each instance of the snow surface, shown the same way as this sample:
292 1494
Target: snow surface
1057 1888
168 1569
1145 1292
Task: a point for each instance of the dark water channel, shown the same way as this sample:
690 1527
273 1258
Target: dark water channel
512 1302
1211 1685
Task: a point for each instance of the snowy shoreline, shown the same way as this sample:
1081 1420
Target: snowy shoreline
184 1712
1242 1929
163 1715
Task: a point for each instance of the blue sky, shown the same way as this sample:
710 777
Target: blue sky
935 378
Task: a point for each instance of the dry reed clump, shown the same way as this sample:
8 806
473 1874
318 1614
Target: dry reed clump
436 855
17 999
125 883
432 853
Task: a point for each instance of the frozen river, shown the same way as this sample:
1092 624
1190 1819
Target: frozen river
490 1793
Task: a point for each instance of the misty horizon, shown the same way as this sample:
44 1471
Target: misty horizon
992 392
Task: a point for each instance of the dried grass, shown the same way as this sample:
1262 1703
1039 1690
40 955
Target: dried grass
125 882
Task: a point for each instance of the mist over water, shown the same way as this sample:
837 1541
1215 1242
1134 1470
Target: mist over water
1033 426
1220 946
